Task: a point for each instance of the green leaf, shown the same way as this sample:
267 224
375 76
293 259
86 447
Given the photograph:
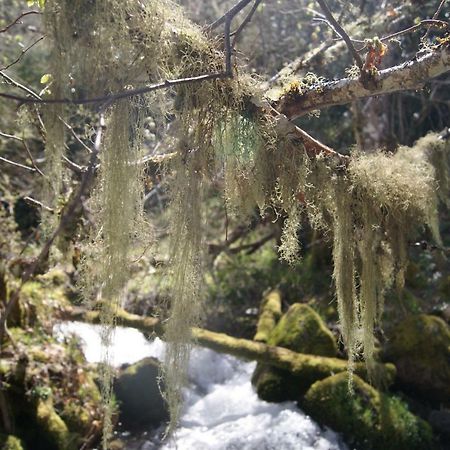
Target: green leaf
46 78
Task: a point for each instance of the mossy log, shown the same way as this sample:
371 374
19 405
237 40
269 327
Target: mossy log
270 313
309 367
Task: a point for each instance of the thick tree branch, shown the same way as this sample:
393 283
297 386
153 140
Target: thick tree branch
409 75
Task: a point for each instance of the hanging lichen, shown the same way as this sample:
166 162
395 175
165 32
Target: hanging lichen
186 273
117 209
370 206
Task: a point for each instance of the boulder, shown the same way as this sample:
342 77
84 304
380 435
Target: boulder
140 401
368 419
302 330
420 349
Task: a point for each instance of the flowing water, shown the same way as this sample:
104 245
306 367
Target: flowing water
222 412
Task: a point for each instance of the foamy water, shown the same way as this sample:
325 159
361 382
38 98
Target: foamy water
221 412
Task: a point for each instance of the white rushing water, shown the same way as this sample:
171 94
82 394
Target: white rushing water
222 412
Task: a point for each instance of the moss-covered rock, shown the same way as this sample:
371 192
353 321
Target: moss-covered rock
140 401
420 349
10 442
53 427
368 419
302 330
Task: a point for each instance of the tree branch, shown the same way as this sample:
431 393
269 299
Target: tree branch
17 20
409 75
341 32
22 53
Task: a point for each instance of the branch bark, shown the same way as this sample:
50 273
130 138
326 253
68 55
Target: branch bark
409 75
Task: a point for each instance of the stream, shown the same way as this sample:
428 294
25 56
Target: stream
221 412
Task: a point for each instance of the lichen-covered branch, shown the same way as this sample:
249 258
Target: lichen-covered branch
409 75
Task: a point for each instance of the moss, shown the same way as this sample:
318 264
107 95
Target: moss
367 418
270 312
277 385
301 329
420 348
80 413
10 443
53 427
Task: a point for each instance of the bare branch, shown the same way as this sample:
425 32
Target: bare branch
409 75
27 149
18 20
34 202
245 22
23 52
435 16
119 95
341 32
232 12
12 163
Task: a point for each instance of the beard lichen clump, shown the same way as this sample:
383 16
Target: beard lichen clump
118 227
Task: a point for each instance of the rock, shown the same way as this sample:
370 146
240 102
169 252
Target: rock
52 427
368 419
302 330
10 443
420 349
140 401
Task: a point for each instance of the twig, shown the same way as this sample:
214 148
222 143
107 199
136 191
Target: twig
427 22
18 85
25 50
341 32
229 14
27 13
34 202
119 95
75 135
435 16
12 163
71 165
27 149
245 22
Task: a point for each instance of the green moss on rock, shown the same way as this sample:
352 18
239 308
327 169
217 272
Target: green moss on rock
10 442
53 427
368 418
302 330
420 349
